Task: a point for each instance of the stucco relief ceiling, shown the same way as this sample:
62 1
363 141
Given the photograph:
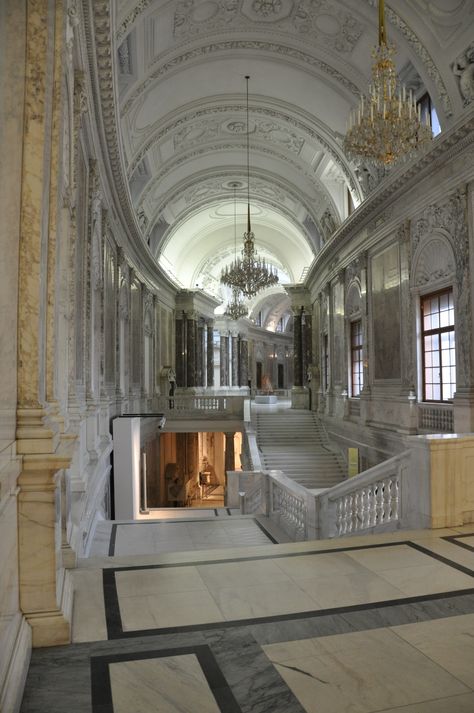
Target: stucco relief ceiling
180 69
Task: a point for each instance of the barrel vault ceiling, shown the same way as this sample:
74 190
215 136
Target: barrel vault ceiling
180 68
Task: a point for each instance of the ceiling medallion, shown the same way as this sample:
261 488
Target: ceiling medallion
266 7
387 125
249 274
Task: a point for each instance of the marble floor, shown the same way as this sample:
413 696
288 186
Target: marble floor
354 625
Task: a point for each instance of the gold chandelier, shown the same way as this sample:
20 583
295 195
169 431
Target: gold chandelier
387 124
235 308
249 274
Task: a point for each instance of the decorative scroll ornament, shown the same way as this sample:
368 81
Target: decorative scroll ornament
387 126
249 273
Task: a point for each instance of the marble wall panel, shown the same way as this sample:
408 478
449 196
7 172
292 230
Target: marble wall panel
136 334
385 293
110 311
339 357
79 276
12 19
10 616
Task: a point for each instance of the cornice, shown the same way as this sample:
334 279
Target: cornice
97 24
448 145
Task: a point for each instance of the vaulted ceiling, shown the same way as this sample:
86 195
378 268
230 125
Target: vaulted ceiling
180 69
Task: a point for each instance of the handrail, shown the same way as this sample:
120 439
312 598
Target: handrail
368 501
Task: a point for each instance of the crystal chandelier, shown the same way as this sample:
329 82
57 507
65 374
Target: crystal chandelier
249 274
235 308
387 125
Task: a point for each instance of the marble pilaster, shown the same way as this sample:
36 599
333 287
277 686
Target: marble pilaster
44 453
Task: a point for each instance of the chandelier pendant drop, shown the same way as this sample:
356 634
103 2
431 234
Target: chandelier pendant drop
387 125
249 273
235 308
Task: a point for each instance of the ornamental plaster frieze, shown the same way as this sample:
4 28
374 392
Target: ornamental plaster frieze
200 131
104 102
272 191
172 165
303 130
311 21
306 129
309 62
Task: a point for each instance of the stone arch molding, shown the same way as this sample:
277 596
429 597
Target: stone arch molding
434 262
353 307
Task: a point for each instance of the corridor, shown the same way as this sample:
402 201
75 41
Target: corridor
354 625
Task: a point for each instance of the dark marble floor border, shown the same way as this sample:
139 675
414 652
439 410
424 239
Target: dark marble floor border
101 689
115 526
453 539
115 626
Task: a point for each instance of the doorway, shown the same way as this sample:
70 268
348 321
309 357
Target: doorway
259 375
281 376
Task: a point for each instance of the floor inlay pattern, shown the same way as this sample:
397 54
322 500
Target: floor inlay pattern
360 626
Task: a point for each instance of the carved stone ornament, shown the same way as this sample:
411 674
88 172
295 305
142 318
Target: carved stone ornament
301 129
124 305
311 19
463 69
434 262
353 300
80 96
451 215
328 224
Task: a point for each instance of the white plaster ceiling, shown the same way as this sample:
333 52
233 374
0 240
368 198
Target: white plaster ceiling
180 70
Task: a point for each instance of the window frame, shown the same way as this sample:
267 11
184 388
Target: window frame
436 332
359 351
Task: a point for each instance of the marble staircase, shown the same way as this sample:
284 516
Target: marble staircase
296 443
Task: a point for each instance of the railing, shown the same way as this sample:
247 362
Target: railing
195 406
370 501
253 501
435 419
288 508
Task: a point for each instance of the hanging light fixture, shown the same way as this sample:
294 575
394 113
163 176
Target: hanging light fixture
387 124
249 274
235 308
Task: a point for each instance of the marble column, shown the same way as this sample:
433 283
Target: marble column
297 350
191 350
180 340
210 353
235 360
243 363
224 358
200 353
229 452
43 598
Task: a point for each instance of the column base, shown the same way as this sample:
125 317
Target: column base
49 628
299 397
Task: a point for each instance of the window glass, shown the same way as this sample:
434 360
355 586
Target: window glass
439 356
